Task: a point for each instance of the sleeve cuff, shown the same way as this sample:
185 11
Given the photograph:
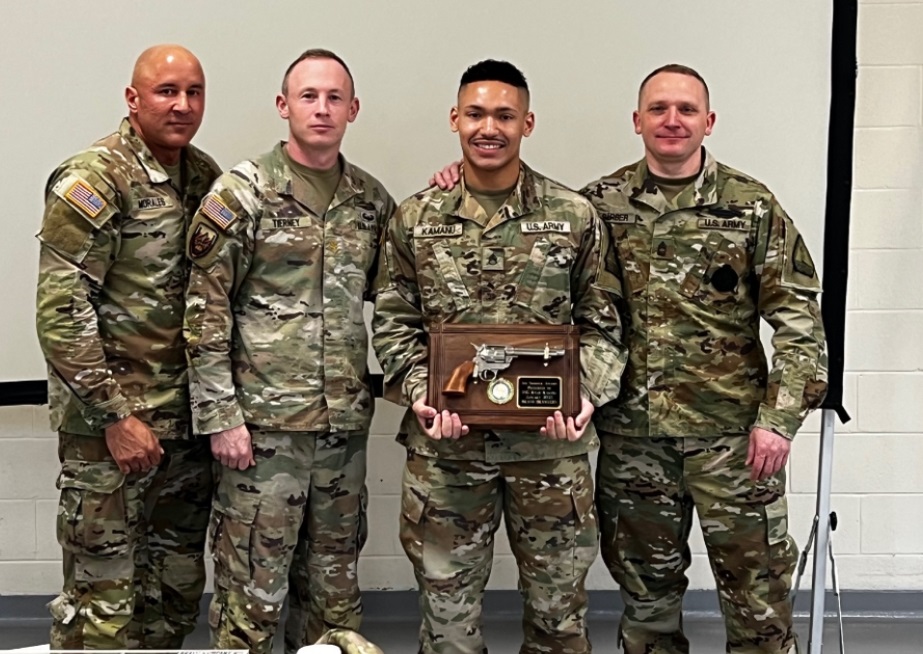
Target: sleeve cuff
106 414
226 417
414 391
781 422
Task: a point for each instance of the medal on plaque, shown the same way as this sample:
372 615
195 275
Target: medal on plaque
500 391
519 374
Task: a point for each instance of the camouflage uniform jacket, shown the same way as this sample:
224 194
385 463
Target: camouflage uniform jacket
274 315
552 250
698 275
112 273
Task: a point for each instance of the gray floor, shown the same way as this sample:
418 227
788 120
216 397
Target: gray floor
863 636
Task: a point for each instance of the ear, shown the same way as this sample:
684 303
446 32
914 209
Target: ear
710 122
453 119
353 109
131 99
530 124
636 119
282 106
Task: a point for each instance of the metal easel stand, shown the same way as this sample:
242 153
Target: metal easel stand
824 525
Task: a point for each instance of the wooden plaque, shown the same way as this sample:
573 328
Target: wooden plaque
542 377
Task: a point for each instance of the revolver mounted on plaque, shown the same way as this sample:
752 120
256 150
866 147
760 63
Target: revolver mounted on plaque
488 361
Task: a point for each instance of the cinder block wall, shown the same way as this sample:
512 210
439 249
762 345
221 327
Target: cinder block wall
878 476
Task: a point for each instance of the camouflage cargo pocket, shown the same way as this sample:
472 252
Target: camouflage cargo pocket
586 531
782 554
413 521
92 517
362 533
232 536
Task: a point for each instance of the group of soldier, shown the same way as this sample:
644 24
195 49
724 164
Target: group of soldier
190 317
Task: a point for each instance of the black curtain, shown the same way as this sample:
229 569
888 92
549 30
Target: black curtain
843 68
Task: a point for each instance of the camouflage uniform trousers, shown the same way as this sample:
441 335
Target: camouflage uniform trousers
450 511
134 567
292 525
647 489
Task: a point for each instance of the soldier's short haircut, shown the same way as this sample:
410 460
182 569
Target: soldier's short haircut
493 70
675 68
317 53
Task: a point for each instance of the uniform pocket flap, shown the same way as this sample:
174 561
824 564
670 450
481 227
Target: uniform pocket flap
584 504
241 508
777 520
413 503
94 476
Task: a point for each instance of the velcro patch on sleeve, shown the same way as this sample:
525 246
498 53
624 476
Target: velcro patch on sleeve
801 259
202 241
214 208
81 195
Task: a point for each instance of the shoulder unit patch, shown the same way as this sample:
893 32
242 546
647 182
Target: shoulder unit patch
202 241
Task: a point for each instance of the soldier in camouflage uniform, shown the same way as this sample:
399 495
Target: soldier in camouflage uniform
283 249
507 246
703 424
135 488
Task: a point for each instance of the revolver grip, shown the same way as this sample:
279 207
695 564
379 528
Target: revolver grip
457 384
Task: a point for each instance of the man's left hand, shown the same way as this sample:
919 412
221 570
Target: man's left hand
571 429
768 453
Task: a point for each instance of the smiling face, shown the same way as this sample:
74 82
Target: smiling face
318 104
491 119
673 118
166 100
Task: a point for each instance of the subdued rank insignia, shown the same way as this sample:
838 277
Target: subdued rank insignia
492 259
202 241
801 258
663 248
84 197
217 211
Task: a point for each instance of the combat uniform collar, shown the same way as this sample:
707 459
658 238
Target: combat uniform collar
281 176
521 202
640 188
196 167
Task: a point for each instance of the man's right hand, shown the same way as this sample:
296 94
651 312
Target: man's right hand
133 445
444 425
448 177
233 448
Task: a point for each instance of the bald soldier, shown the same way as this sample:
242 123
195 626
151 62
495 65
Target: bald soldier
135 488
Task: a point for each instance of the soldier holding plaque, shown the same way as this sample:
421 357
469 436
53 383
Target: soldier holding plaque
522 264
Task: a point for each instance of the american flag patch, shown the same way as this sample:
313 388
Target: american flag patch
217 211
84 197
